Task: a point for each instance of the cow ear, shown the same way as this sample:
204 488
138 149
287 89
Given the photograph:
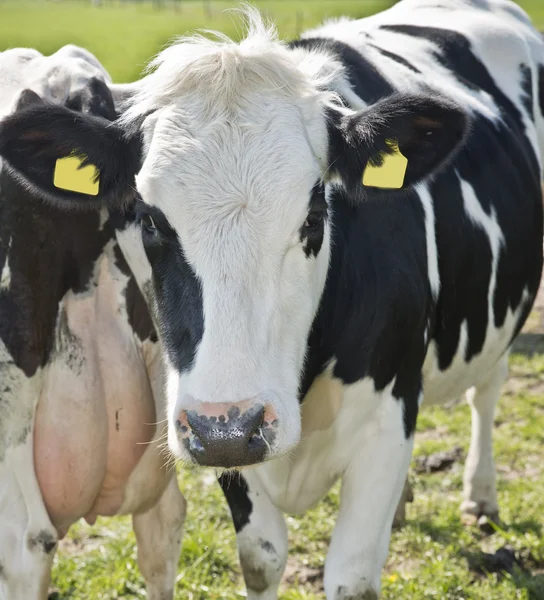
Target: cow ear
28 98
395 143
72 159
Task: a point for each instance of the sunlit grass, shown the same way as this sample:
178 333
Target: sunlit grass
125 36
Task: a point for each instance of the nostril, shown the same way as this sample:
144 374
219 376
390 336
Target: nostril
195 445
252 420
180 428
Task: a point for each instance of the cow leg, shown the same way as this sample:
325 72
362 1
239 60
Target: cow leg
158 535
479 486
261 535
28 540
371 489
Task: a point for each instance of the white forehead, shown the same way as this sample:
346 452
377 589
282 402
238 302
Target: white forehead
237 134
51 77
244 159
231 187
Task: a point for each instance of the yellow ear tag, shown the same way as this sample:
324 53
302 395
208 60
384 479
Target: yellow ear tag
391 173
71 176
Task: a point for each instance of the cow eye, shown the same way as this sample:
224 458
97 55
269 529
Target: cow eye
314 220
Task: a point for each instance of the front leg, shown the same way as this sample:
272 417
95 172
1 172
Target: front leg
261 535
371 489
158 535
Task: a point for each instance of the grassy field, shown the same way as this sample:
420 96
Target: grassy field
434 556
125 35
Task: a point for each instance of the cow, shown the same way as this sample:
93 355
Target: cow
337 230
81 380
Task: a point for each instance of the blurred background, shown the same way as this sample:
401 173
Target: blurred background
124 34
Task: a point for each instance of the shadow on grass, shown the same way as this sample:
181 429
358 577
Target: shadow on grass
529 344
528 526
507 565
444 534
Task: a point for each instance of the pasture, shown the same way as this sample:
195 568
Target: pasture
434 556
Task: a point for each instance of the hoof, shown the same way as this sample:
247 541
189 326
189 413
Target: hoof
482 521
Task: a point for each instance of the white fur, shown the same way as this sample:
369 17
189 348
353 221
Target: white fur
51 77
430 238
5 277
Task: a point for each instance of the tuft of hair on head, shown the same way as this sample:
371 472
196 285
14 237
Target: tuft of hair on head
220 72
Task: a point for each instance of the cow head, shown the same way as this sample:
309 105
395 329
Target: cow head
241 144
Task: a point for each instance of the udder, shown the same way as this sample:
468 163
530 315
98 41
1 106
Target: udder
96 414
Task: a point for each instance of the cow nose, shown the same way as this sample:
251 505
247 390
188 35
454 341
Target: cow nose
227 435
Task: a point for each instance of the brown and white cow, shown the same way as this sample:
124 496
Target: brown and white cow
81 382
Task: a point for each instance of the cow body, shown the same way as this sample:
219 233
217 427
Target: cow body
423 297
305 314
432 290
80 375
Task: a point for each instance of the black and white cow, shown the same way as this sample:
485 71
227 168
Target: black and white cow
81 383
339 229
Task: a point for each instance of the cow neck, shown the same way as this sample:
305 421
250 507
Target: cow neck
44 253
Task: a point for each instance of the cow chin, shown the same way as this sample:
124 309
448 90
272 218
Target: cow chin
233 435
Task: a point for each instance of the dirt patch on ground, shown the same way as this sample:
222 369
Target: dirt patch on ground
303 576
439 461
80 545
532 469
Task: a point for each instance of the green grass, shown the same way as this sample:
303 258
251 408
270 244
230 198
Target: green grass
429 558
125 36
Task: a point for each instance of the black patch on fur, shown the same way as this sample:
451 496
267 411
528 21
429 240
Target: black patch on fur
267 546
365 79
138 312
376 301
50 250
311 233
178 292
398 59
516 202
45 540
527 87
464 281
236 492
93 99
120 260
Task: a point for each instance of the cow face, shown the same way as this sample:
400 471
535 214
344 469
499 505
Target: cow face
241 144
